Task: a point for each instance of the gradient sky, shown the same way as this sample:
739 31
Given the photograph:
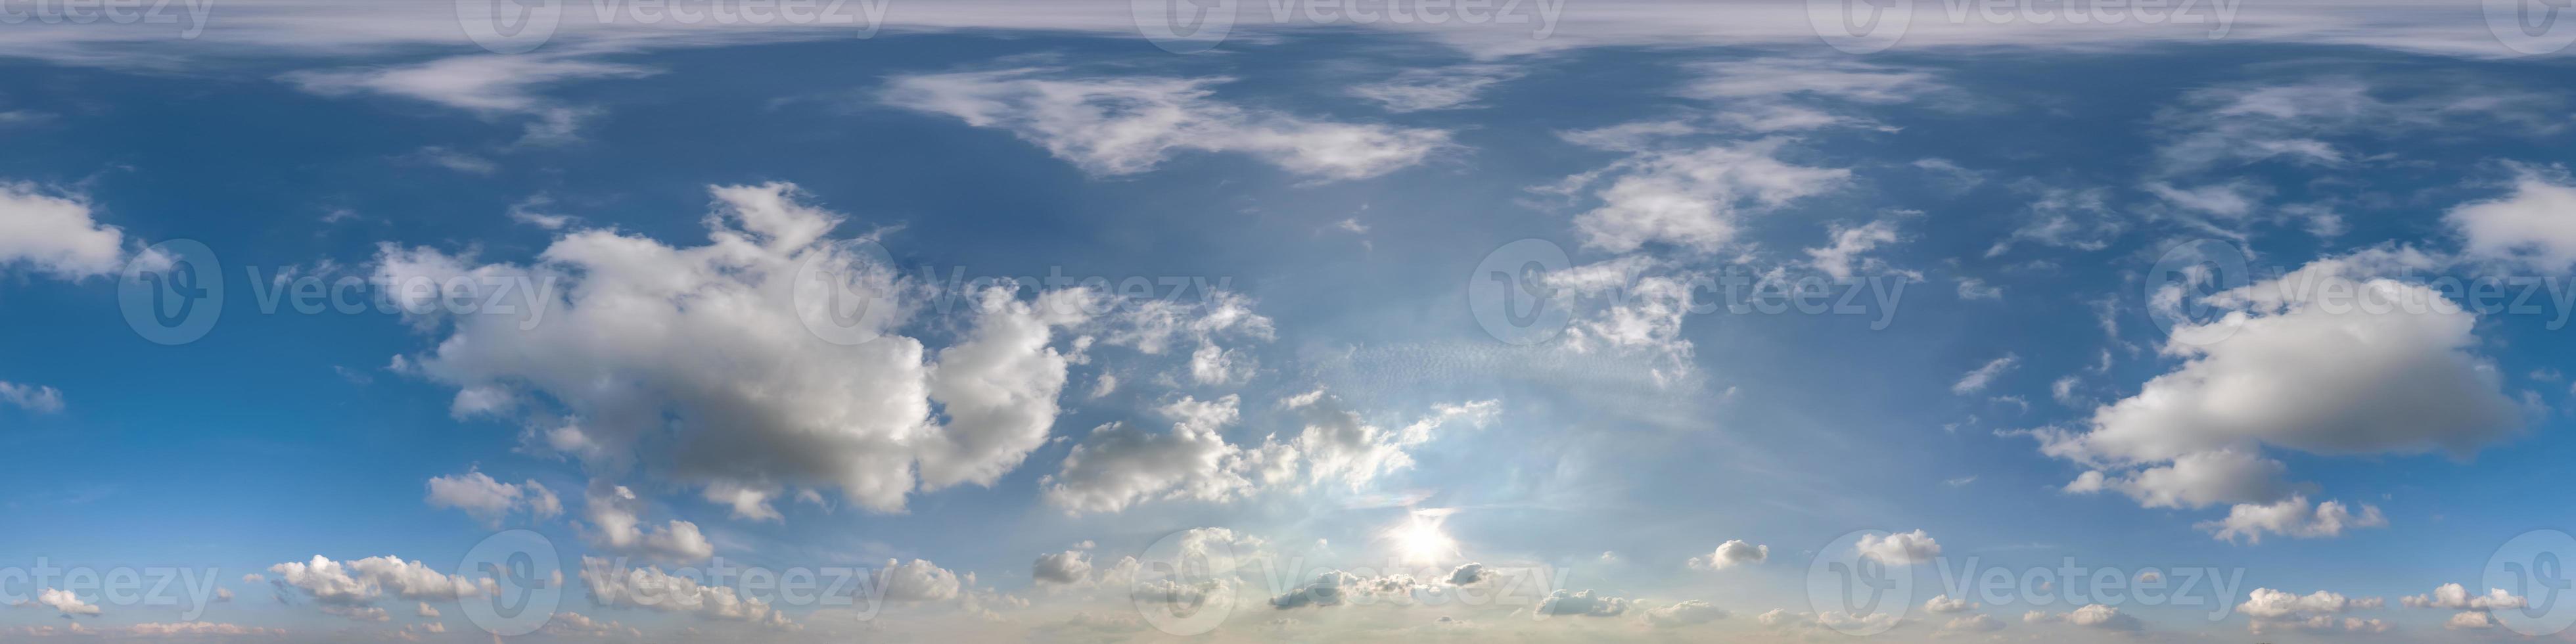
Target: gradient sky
2238 322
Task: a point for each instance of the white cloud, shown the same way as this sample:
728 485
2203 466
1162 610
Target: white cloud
2536 223
2103 617
1840 258
1119 466
612 512
64 602
349 588
1978 623
1684 613
36 398
1115 126
698 360
490 84
1437 88
1730 554
1692 198
2296 362
2266 603
56 234
1944 604
1976 379
1067 567
2457 597
2470 621
490 500
647 587
2293 517
1900 548
2078 218
920 581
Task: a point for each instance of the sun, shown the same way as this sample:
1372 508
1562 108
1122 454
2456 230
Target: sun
1419 540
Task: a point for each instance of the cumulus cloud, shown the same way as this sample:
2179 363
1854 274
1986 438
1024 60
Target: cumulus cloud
1731 554
700 361
1118 466
615 526
1900 548
1127 125
2294 365
2457 597
2536 223
920 581
489 500
350 589
1944 604
1584 603
610 584
1338 588
62 601
1684 613
2293 517
1067 567
56 234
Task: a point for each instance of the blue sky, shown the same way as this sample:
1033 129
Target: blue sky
1283 410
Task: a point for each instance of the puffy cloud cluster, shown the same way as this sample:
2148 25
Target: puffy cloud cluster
612 584
1067 567
63 601
1337 588
56 234
2457 597
351 588
1684 613
1118 466
615 526
490 500
2276 610
1733 553
2531 224
1900 548
2330 359
1692 198
1944 604
720 365
1584 603
1127 125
